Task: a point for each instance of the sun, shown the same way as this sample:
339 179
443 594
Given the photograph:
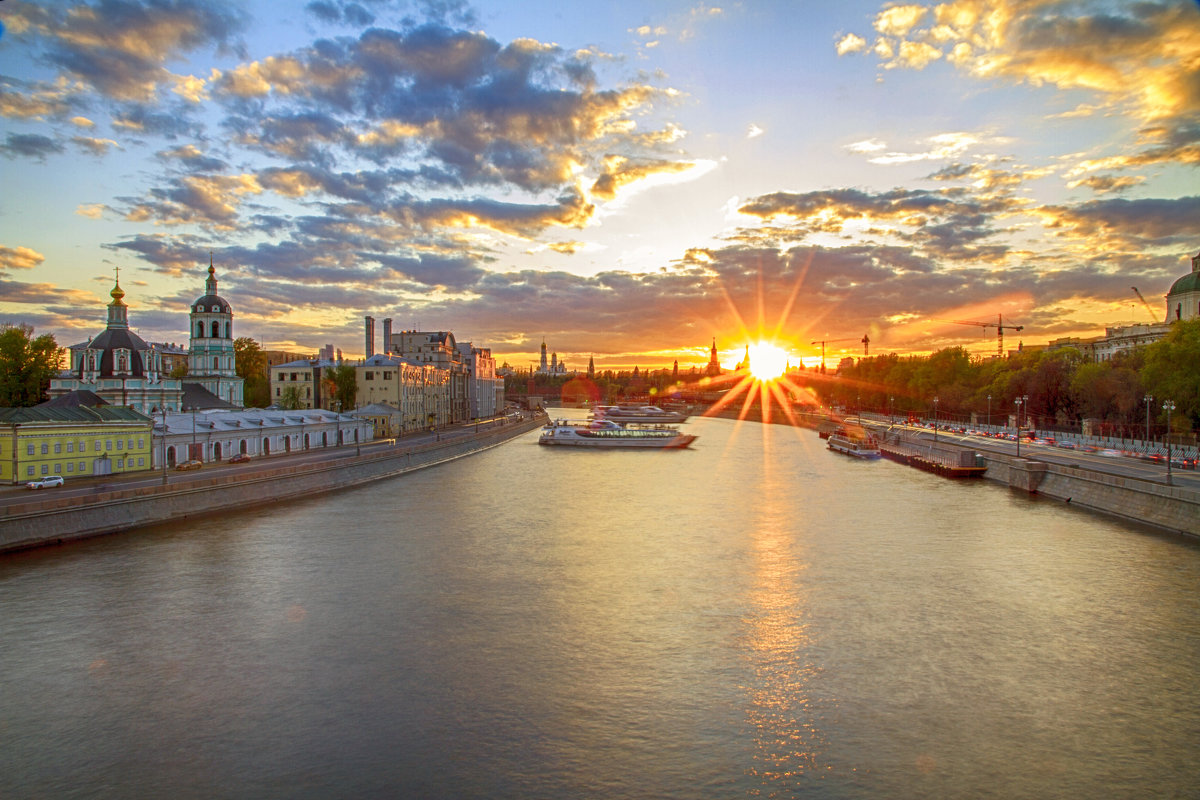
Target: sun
767 361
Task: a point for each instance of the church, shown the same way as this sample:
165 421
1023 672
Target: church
122 369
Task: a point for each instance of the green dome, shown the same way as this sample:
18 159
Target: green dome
1188 283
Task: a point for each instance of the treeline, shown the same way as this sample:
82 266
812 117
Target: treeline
1062 387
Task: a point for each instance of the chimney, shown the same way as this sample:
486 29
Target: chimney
387 335
370 336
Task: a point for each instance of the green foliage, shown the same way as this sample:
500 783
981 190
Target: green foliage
290 399
1172 372
342 383
26 365
251 365
180 371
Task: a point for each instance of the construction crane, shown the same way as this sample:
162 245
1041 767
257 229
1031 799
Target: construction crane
1153 316
998 325
865 343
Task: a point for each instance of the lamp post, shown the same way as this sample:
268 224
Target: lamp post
193 453
164 444
1018 402
935 405
337 441
891 421
988 424
1149 399
1169 405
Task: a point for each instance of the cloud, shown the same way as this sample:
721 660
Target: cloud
29 145
19 257
93 146
851 43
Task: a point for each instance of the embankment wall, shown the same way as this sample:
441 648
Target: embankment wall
57 520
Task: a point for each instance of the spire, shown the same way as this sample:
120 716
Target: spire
118 312
210 285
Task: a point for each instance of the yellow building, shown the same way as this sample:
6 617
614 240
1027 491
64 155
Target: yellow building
72 442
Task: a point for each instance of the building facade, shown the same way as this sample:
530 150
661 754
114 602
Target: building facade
119 366
212 436
485 389
72 442
211 360
1183 299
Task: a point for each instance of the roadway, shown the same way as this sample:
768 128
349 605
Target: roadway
1111 462
90 485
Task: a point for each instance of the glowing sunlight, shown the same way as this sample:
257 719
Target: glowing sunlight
767 362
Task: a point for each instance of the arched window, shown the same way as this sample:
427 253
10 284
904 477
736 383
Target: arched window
215 363
215 330
200 330
226 330
266 448
216 451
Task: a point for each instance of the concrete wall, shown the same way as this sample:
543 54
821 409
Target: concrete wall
50 521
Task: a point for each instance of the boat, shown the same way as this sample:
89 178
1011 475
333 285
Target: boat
854 442
606 433
641 414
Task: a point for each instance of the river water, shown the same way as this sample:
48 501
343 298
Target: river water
753 617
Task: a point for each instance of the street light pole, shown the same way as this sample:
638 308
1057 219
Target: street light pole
1149 399
164 445
935 405
988 424
193 453
1018 402
1169 405
338 419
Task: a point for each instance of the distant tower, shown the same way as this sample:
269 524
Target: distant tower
370 325
543 365
675 372
714 366
387 335
211 360
591 367
745 362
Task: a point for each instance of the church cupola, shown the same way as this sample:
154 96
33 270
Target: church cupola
118 312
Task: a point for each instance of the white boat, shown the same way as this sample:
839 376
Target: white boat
650 414
854 442
606 433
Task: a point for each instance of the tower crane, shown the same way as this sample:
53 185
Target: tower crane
998 325
1153 316
865 343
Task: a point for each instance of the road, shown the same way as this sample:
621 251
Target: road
1122 465
87 486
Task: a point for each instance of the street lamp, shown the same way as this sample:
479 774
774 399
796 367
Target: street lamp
193 453
988 424
935 405
1169 405
337 441
1018 403
164 444
1149 399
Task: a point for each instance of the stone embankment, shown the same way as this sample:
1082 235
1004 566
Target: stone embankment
1172 508
56 520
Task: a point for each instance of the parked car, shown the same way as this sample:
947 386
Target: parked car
49 482
190 465
240 458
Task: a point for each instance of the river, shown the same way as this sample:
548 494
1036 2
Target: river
752 617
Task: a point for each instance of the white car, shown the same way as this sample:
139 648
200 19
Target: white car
49 482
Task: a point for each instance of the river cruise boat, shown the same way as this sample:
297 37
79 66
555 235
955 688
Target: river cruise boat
606 433
639 414
854 442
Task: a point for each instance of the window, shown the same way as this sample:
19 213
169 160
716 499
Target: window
108 445
370 375
199 327
45 469
58 469
82 446
81 467
120 445
70 466
277 391
70 447
141 461
214 326
120 463
29 470
57 448
28 449
215 365
97 448
141 443
45 448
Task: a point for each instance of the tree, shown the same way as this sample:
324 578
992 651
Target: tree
179 371
251 365
290 399
26 365
1172 371
342 382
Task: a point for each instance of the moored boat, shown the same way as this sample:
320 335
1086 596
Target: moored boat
606 433
854 442
641 414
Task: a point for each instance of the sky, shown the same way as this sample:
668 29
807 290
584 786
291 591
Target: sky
625 181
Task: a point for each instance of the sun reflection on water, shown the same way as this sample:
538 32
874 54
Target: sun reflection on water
781 709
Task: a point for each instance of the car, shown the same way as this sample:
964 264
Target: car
240 458
49 482
186 465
